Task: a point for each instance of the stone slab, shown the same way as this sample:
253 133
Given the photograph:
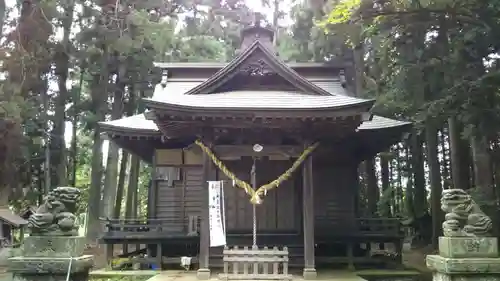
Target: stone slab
463 265
50 246
438 276
468 247
49 265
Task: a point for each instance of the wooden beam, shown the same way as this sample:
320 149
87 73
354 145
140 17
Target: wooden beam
204 270
268 150
308 217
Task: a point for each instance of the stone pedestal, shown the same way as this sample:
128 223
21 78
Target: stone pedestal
46 258
465 259
309 274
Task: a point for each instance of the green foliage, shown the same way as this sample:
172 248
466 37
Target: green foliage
342 12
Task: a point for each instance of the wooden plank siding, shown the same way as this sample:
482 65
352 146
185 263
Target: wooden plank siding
281 210
183 199
334 188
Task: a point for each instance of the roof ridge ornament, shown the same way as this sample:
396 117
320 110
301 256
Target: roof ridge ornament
256 31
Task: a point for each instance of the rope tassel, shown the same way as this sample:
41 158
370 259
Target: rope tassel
256 195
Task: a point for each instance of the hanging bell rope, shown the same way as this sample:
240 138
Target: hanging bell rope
256 195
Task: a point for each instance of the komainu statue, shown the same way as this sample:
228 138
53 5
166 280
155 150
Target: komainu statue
56 216
463 216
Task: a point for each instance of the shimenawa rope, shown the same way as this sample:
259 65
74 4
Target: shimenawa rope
255 195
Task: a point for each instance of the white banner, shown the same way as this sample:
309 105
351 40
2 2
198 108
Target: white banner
216 214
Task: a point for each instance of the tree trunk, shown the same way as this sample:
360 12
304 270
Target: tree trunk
445 157
372 192
99 98
399 185
3 14
276 17
431 139
384 174
419 191
409 208
111 177
459 166
74 124
482 166
121 184
58 145
132 187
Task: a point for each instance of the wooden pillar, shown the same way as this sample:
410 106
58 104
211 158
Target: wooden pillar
152 194
109 255
308 218
204 270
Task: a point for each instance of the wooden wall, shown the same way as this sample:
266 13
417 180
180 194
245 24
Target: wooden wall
181 200
334 198
281 211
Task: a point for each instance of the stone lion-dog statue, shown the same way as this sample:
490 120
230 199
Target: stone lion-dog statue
463 216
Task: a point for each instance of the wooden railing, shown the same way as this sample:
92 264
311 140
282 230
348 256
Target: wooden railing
386 226
187 226
255 264
359 226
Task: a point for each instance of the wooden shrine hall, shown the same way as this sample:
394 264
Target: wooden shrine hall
202 124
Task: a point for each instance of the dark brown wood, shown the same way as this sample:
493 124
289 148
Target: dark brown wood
223 115
247 150
308 213
204 226
278 211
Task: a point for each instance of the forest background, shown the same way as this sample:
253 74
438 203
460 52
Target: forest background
68 64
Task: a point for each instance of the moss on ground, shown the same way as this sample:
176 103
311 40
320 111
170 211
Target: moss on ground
121 278
387 272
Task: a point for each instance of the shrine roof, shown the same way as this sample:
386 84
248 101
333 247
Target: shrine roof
141 137
271 100
181 86
256 62
219 65
139 124
132 124
7 216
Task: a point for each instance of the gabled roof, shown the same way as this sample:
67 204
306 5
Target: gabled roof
335 63
267 59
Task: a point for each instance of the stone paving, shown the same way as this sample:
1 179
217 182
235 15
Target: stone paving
341 275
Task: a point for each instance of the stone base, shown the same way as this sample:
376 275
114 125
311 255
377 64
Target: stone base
49 265
309 274
468 247
438 276
50 246
203 274
463 266
51 277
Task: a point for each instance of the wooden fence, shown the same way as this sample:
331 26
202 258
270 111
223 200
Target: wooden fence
255 264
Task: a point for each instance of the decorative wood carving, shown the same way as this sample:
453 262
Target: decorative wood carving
257 67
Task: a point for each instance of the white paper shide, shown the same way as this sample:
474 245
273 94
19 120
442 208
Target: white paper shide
216 214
